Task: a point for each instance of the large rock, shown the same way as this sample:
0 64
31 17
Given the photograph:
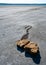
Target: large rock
29 46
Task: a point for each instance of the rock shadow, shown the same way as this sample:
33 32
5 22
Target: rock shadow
21 49
36 58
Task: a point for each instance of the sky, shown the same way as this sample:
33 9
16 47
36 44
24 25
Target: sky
22 1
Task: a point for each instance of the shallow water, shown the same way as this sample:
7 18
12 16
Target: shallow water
13 23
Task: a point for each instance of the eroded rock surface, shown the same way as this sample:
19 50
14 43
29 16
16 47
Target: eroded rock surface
29 46
32 47
22 43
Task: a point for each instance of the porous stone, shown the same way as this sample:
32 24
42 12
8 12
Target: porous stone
32 47
28 46
22 43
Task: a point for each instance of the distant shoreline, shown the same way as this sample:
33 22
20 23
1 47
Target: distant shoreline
23 4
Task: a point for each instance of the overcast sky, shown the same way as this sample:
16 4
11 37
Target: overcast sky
22 1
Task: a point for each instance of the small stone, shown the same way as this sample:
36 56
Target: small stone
22 43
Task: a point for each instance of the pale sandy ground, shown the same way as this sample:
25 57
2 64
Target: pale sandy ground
12 27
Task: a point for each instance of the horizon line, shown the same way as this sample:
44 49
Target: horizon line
22 3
